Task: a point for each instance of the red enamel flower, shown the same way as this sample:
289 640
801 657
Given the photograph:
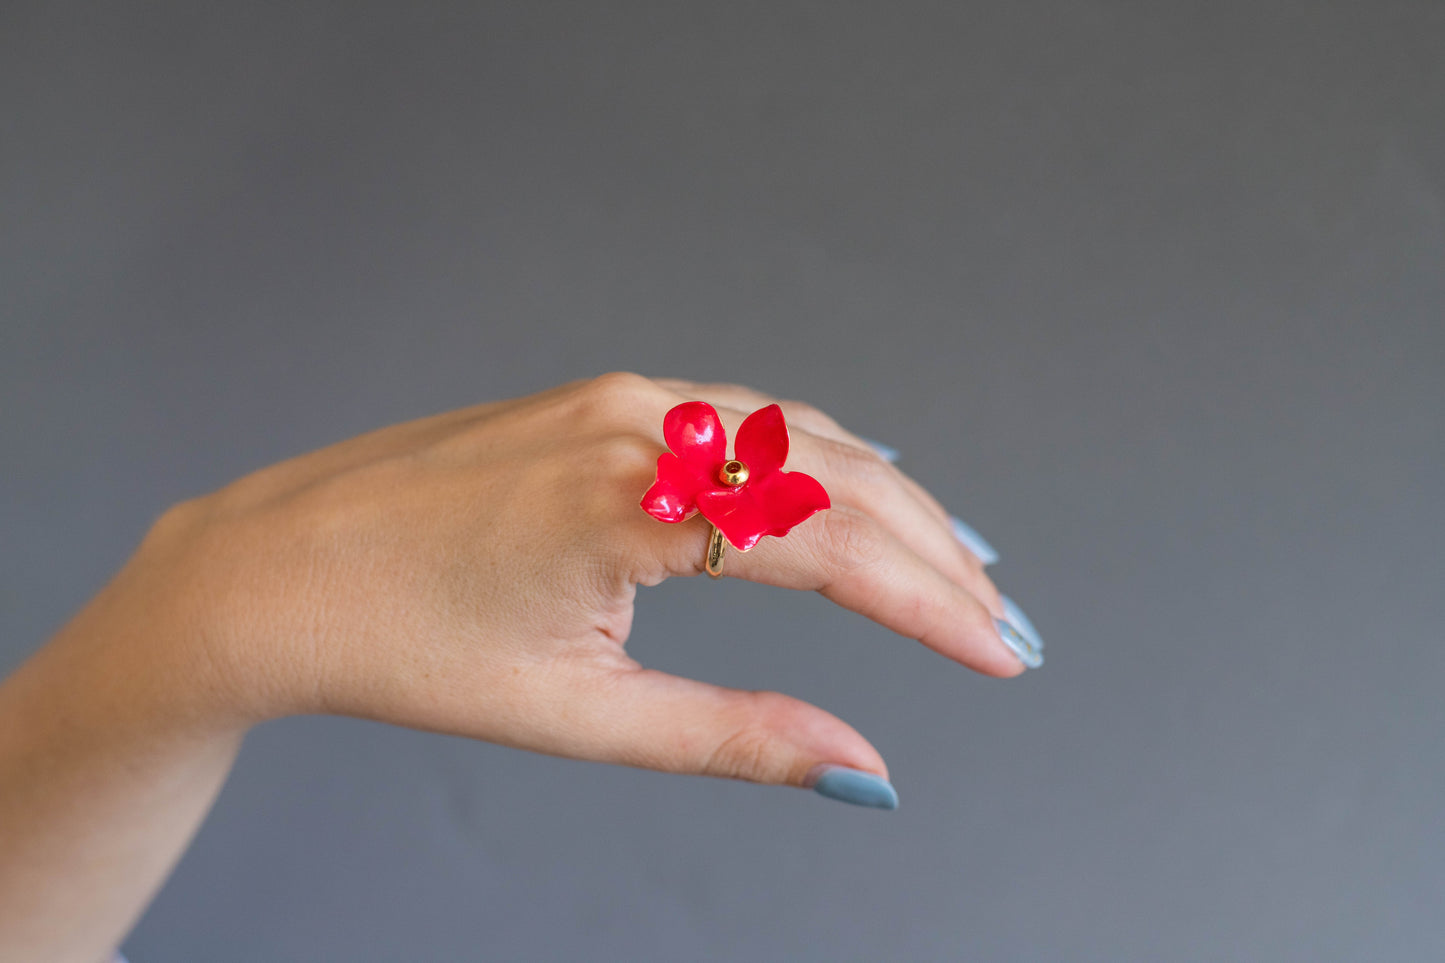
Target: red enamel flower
746 497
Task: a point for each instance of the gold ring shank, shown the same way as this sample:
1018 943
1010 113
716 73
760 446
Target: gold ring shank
716 546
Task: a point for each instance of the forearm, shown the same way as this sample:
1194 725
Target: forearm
109 761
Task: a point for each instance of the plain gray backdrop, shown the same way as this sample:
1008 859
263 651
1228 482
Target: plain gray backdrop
1152 294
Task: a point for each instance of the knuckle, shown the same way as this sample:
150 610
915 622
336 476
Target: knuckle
620 395
863 468
741 755
851 539
749 751
621 381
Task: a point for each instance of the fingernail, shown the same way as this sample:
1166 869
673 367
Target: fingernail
1020 621
889 455
854 786
1028 653
973 541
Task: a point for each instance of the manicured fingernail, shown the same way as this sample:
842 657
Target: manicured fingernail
973 541
1028 653
1020 621
889 455
855 786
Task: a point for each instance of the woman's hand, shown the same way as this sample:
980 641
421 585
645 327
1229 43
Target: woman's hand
471 573
474 573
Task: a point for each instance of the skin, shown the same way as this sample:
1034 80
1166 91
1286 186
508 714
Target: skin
472 573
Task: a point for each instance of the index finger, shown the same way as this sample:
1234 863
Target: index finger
853 560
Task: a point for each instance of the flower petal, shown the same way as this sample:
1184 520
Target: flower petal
673 497
770 506
762 442
695 434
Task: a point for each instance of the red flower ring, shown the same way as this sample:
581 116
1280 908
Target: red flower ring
746 497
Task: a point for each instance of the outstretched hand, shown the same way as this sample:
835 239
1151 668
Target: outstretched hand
474 573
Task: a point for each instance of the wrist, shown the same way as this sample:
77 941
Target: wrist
154 643
121 664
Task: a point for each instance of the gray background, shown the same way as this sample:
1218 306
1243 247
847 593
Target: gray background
1150 293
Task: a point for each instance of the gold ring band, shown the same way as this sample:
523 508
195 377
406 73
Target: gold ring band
716 546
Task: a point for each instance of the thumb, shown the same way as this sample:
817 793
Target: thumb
650 719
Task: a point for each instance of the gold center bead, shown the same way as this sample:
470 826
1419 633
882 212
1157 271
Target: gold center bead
733 474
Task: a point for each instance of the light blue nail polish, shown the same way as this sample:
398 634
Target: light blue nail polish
1020 621
857 787
973 541
1028 653
889 455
